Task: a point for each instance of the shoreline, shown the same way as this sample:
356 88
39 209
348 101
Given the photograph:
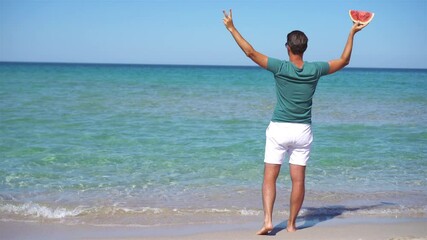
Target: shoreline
368 228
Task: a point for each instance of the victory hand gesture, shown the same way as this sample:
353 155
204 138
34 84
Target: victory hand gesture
228 20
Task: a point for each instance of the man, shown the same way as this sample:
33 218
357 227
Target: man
289 132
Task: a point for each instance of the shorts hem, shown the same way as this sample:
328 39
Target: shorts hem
299 164
273 162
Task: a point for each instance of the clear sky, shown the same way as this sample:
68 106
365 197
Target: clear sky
192 32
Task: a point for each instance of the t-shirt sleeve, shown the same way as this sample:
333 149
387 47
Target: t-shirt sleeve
323 68
273 65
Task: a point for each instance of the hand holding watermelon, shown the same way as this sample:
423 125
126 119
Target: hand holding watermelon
360 19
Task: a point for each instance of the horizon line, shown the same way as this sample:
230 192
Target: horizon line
178 65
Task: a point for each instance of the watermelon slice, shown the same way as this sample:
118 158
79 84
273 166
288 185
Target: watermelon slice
361 16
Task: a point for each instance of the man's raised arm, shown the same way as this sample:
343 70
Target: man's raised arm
257 57
338 64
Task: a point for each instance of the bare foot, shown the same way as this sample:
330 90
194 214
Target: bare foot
265 230
291 227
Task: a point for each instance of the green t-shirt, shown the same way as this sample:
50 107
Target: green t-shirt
295 88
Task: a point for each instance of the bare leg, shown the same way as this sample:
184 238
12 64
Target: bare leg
297 194
271 172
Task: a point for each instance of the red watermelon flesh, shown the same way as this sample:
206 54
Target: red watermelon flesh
361 16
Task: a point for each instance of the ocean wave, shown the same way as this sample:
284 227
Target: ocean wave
248 212
139 210
119 213
213 210
40 211
35 210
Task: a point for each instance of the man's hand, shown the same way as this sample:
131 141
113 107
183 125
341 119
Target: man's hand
228 20
357 26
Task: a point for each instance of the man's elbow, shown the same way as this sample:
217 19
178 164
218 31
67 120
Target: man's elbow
250 53
345 62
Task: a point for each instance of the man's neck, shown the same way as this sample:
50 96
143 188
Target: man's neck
297 60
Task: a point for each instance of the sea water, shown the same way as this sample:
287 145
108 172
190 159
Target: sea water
152 144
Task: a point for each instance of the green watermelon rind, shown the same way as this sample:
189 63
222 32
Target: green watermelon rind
362 22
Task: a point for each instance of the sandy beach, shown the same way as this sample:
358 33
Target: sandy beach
342 228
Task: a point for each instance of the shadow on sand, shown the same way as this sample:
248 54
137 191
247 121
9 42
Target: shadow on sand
313 216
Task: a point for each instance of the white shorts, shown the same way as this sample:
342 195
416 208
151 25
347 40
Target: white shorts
288 139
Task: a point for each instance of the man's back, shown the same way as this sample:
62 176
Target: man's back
295 88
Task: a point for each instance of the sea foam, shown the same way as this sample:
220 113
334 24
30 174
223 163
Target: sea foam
37 210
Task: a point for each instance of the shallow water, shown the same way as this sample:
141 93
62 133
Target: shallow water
101 142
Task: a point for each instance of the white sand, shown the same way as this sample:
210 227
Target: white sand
343 228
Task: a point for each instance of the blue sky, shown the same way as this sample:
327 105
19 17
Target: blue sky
192 32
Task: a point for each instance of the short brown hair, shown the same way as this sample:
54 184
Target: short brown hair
297 41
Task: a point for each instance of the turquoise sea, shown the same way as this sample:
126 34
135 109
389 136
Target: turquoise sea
158 144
